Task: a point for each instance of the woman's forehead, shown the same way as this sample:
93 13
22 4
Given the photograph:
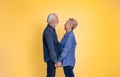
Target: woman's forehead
68 21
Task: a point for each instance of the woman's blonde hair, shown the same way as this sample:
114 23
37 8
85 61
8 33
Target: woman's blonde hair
73 22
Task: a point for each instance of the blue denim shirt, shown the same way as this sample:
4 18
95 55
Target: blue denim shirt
67 49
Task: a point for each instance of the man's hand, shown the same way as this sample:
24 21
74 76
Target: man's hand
59 64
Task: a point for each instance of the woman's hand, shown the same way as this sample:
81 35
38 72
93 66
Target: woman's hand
59 64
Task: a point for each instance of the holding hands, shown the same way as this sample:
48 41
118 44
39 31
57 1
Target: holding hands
59 64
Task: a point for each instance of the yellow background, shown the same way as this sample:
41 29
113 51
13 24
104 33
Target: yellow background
98 36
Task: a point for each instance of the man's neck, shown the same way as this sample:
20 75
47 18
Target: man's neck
52 26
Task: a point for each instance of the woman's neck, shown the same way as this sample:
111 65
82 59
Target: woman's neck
68 31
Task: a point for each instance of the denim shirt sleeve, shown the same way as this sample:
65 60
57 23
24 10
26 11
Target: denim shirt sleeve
67 47
50 42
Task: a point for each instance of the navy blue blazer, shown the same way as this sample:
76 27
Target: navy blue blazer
50 44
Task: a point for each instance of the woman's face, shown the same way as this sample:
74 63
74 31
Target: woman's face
67 26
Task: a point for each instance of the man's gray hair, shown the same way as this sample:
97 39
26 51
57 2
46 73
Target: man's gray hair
50 17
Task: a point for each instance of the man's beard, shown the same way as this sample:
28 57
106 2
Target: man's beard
55 24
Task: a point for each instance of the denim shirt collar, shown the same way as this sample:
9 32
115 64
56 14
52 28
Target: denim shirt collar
67 34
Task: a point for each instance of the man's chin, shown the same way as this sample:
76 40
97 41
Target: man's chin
55 25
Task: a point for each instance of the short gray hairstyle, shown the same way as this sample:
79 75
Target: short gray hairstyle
73 22
50 17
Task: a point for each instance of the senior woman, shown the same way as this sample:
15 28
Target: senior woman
67 48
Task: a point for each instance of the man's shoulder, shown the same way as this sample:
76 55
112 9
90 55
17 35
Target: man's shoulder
47 31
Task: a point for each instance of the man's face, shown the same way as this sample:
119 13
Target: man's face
67 26
56 21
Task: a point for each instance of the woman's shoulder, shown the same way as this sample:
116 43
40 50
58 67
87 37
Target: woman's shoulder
71 34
